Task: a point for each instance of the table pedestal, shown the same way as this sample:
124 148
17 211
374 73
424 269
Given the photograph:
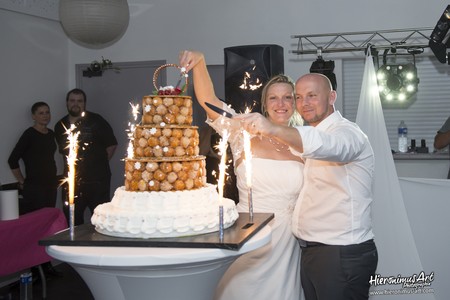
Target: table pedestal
195 281
119 273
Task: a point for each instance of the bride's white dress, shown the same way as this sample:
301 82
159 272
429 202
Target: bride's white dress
271 272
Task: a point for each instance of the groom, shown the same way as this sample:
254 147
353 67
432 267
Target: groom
332 218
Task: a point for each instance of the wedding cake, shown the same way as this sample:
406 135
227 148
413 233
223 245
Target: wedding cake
165 192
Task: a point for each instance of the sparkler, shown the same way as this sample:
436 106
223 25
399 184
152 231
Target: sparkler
72 138
247 85
223 145
132 128
248 172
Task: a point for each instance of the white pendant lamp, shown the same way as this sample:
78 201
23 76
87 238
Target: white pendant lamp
94 23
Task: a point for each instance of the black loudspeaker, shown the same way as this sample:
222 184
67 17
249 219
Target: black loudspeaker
247 69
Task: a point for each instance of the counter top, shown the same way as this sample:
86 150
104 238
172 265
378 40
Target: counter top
421 156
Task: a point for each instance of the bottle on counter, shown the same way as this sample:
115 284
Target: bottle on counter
402 137
412 148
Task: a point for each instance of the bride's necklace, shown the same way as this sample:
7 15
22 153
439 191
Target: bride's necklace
278 146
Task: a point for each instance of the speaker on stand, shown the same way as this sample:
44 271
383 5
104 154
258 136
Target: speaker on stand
247 69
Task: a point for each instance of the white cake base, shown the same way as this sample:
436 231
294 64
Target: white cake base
163 214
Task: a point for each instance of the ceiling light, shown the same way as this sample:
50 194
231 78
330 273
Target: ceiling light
94 23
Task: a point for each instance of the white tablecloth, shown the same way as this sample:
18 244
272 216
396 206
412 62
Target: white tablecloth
427 203
119 273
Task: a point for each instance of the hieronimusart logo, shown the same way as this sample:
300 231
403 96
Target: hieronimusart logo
415 284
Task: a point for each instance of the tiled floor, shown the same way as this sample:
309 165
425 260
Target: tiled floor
68 287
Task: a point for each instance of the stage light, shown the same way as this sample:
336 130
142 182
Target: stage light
397 82
439 39
397 77
324 67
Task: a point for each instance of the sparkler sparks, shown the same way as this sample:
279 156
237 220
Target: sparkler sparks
132 128
248 158
72 138
223 145
135 110
249 84
248 168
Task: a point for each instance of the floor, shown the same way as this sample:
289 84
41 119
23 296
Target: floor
68 287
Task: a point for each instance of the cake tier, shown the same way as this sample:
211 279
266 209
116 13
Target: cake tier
168 109
158 214
165 174
166 141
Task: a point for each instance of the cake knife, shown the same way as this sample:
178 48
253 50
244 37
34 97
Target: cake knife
219 110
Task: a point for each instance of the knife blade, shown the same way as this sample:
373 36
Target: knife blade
219 110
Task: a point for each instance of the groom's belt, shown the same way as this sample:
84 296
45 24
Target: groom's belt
307 244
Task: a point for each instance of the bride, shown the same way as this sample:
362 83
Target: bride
271 272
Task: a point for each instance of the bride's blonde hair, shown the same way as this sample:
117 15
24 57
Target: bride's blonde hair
295 119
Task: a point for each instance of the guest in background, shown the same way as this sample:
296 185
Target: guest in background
97 145
332 217
36 148
271 272
442 138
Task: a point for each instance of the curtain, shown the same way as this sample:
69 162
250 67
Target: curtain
398 255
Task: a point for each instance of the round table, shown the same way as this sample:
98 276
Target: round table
117 273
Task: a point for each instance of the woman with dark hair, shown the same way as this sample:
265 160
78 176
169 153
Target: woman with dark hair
36 148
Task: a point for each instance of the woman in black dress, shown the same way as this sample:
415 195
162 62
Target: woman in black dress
36 148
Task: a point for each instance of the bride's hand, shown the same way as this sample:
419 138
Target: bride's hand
189 59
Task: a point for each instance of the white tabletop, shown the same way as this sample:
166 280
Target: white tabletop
151 256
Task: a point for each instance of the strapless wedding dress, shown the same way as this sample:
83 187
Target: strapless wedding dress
271 272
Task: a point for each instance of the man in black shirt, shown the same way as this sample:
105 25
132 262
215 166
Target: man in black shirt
97 145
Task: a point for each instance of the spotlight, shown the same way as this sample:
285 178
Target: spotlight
439 39
326 68
397 82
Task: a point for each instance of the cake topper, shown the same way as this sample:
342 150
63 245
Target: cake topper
170 90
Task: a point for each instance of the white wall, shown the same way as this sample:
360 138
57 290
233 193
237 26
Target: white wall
38 62
34 56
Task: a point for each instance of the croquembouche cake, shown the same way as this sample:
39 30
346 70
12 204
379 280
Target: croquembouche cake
165 192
